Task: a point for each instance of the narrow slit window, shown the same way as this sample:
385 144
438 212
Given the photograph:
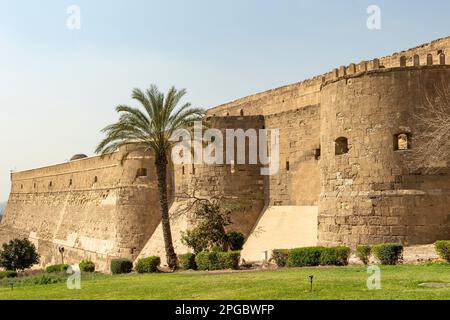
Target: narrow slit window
141 172
341 146
288 167
317 154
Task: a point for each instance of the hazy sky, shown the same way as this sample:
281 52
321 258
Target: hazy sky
59 87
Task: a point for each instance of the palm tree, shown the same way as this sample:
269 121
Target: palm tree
152 128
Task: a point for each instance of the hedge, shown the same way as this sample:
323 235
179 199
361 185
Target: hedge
304 257
230 259
388 253
443 249
207 260
280 257
148 265
363 253
119 266
87 266
57 268
187 261
211 260
311 256
334 256
8 274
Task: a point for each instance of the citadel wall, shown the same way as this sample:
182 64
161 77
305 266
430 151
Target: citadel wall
307 93
95 208
98 208
372 193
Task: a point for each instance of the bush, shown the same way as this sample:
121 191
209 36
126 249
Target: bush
211 219
18 255
388 253
87 266
443 249
148 265
363 253
119 266
207 260
304 257
235 240
46 279
8 274
187 261
280 257
217 249
335 256
57 268
230 260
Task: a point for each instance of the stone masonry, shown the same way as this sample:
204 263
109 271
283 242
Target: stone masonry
342 173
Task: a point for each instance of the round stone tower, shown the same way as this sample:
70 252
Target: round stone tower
370 190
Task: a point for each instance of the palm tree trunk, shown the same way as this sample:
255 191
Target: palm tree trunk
161 167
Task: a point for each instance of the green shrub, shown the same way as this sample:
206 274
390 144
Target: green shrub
187 261
57 268
230 260
303 257
363 253
46 279
443 249
388 253
148 265
18 255
335 256
217 249
119 266
8 274
207 260
280 257
87 266
235 240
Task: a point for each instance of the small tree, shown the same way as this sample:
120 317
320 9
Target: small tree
210 229
432 139
18 255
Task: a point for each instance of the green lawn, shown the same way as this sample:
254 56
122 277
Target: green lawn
398 282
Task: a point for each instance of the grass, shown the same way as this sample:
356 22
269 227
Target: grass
398 282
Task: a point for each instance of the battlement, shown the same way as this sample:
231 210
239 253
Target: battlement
87 174
305 93
374 66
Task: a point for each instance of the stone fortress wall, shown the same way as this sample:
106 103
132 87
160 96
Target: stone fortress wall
96 208
99 208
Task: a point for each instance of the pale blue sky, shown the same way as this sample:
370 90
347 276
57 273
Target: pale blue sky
58 87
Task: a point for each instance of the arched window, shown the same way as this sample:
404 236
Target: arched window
288 167
70 182
341 146
182 170
402 141
95 179
241 112
50 184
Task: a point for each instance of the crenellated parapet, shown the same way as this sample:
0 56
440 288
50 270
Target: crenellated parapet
307 92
